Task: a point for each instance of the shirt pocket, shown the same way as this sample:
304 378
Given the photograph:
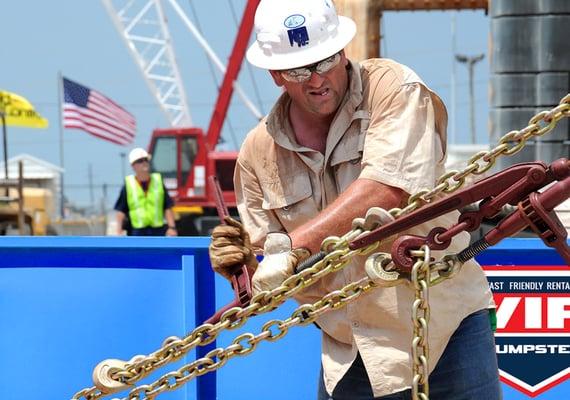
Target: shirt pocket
290 198
347 158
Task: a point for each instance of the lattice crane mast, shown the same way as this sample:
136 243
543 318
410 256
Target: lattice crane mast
183 154
142 25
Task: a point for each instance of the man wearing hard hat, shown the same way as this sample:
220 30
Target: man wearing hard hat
144 200
342 138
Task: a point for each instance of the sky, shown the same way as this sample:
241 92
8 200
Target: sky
78 39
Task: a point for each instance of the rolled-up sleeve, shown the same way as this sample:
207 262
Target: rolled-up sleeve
256 220
405 139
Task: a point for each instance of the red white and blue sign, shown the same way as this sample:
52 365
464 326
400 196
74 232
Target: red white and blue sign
533 325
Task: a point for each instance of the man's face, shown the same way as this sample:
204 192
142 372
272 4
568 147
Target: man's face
322 93
141 166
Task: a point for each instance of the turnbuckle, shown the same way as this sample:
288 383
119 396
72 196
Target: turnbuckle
516 186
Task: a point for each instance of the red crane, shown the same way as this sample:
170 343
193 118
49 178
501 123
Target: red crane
194 149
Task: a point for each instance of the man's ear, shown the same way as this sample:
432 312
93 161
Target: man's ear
277 78
344 58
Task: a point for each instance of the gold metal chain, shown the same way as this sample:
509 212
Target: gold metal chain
539 125
420 318
338 256
246 343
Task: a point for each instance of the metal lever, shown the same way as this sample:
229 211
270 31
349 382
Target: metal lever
241 281
537 213
505 187
515 185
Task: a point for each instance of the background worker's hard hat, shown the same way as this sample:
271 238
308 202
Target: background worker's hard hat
294 33
137 154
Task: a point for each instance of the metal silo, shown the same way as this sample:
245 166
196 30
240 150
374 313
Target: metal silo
530 72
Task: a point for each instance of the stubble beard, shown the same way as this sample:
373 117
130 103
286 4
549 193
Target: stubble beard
327 108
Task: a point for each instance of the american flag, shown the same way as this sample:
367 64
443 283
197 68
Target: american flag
92 112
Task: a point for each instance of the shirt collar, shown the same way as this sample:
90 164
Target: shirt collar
277 122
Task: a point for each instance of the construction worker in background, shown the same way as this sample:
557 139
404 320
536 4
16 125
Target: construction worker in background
144 201
342 138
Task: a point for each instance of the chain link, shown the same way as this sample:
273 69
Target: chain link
420 318
246 343
338 256
174 348
511 143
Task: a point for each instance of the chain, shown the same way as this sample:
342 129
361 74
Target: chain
420 318
338 256
246 343
539 125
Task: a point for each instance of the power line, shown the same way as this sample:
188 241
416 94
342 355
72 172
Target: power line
248 66
212 72
199 27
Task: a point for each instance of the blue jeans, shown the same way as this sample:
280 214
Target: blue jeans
467 370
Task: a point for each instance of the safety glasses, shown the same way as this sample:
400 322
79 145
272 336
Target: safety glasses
303 74
141 160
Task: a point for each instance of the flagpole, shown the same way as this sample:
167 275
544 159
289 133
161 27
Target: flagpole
61 163
5 140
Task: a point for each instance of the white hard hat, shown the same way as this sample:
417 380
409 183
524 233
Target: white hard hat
137 154
295 33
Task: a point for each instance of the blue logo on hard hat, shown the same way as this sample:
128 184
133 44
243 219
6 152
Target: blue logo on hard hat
297 33
299 36
294 21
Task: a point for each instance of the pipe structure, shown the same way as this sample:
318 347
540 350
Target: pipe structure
425 5
368 13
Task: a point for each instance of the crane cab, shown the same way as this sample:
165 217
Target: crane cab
182 158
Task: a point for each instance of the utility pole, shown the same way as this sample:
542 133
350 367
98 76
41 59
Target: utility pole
123 155
104 200
61 98
471 61
4 136
91 194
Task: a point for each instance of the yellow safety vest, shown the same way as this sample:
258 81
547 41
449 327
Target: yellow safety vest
145 209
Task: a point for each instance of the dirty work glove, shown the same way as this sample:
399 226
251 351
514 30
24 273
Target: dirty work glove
231 248
279 262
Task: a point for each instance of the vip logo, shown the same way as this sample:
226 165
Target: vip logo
533 325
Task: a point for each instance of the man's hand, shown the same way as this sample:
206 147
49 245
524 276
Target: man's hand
231 248
120 218
278 264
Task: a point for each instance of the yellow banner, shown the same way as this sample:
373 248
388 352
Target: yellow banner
20 112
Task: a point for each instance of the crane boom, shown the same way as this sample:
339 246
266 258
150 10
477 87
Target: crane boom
185 156
142 25
234 66
214 58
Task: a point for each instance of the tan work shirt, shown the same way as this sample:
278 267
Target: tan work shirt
389 128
